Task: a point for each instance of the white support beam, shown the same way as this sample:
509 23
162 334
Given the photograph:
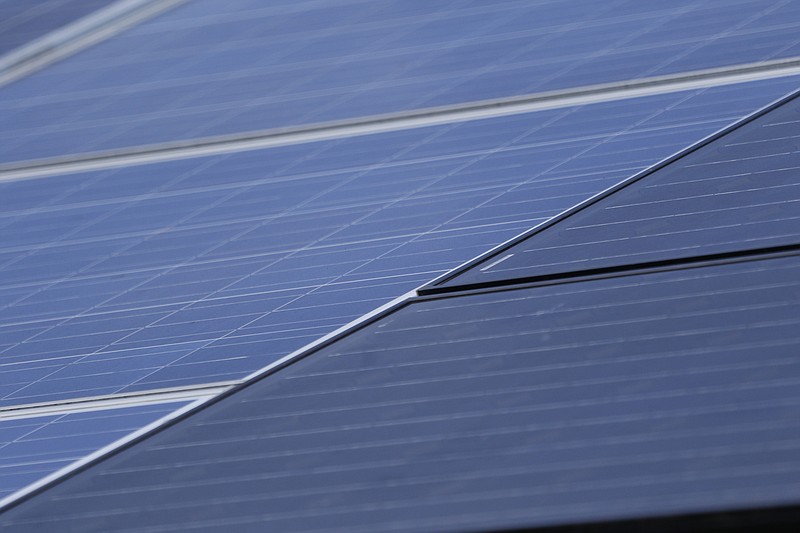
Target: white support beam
81 34
115 401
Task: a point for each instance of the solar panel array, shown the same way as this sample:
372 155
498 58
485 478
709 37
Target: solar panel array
199 270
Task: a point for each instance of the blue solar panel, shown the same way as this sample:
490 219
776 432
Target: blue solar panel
207 269
22 22
209 68
32 448
737 193
648 395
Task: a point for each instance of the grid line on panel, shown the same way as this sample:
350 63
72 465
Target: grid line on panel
254 140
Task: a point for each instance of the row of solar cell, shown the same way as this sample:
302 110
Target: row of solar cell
23 22
32 448
739 192
207 69
607 399
207 269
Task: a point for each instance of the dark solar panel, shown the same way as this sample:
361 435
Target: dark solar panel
211 68
32 448
737 193
22 21
207 269
655 394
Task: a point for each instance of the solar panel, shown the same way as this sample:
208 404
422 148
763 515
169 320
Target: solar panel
737 193
31 448
639 393
287 64
206 269
647 395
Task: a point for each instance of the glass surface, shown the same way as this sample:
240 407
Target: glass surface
207 269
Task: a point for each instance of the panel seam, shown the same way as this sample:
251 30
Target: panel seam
628 269
384 123
114 401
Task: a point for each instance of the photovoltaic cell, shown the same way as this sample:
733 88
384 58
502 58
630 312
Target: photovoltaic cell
649 395
32 448
207 269
211 68
23 22
739 192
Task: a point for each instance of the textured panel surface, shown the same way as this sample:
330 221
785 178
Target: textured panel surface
742 191
32 448
207 269
653 394
210 67
22 21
